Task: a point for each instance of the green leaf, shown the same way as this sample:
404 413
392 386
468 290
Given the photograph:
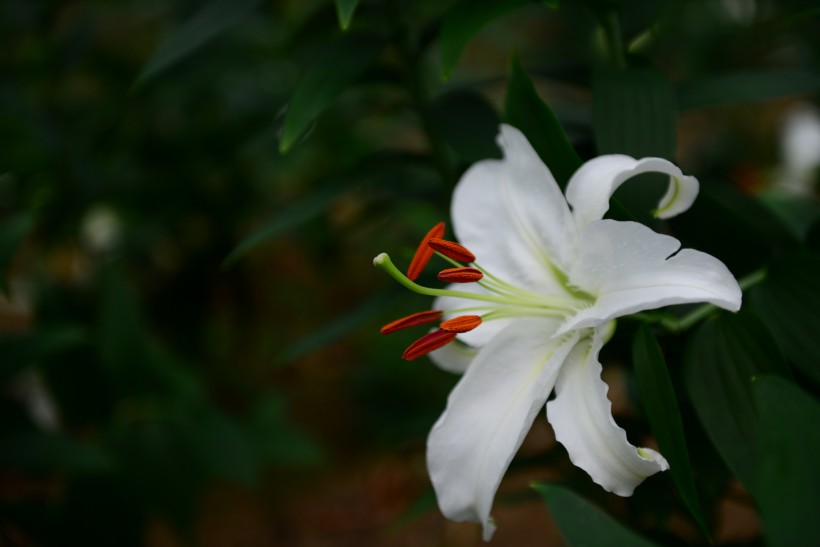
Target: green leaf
12 233
796 212
722 360
463 21
337 328
741 231
468 123
524 109
344 60
345 9
206 24
789 487
746 87
634 112
664 417
584 525
290 217
788 300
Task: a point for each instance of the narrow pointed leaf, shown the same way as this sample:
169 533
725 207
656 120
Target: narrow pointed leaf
206 24
789 488
463 21
722 360
661 406
345 9
524 109
634 112
788 301
290 217
336 328
584 525
344 60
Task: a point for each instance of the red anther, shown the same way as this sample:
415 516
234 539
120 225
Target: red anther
419 318
464 323
460 275
424 253
453 250
426 344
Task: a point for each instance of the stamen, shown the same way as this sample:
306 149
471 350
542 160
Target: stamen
546 305
424 253
453 250
419 318
426 344
460 275
465 323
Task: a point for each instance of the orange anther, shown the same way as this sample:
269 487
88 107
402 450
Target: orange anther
426 344
419 318
460 275
464 323
451 249
424 252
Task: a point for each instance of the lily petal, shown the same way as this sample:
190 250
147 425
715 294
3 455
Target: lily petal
450 305
488 414
510 213
454 357
590 188
581 416
629 268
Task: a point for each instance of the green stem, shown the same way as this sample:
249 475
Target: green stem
674 324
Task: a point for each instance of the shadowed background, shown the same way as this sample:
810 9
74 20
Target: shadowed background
191 194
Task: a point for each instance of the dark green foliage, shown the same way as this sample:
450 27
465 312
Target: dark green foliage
663 411
583 524
191 195
524 109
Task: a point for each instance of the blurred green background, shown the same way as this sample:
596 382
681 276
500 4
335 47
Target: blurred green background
191 194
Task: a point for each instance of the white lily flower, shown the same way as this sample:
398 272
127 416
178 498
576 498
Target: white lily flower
546 284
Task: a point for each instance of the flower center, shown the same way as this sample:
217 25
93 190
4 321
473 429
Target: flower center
499 299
